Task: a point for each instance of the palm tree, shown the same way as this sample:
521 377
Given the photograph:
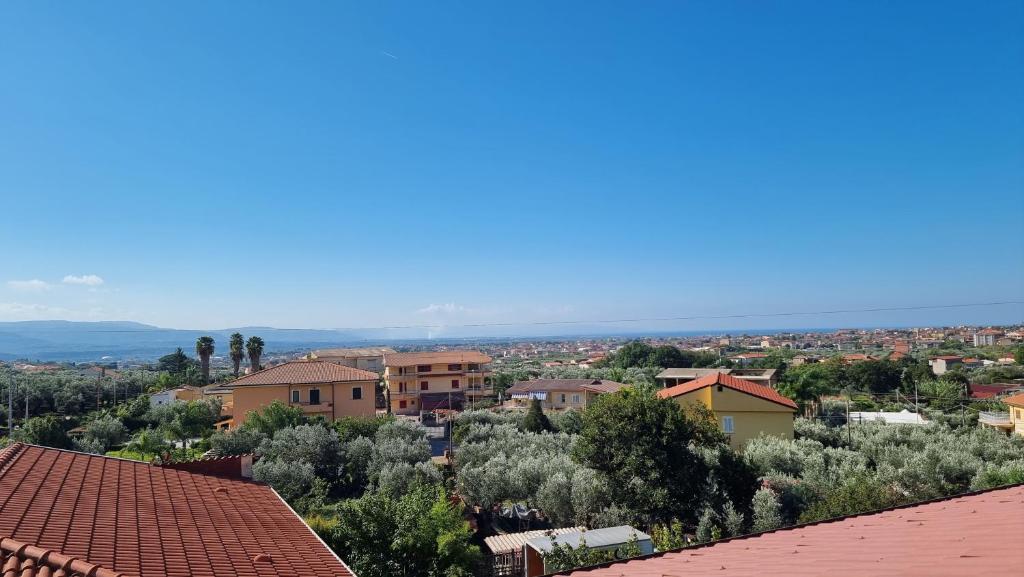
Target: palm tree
147 442
204 348
254 346
237 351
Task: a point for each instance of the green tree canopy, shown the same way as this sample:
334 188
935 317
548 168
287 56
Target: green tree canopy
641 445
254 348
419 533
536 421
273 418
236 347
175 363
47 431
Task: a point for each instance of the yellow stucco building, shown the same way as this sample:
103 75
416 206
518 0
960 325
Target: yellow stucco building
560 394
318 387
430 380
1012 421
743 409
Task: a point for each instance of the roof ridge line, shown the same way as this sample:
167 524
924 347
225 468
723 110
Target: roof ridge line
789 528
9 454
54 559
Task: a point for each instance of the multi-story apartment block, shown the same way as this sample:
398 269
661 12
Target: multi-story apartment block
426 381
366 358
986 337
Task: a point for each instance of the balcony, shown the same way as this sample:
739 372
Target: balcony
995 420
479 390
314 409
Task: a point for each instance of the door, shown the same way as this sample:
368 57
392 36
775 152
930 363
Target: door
314 396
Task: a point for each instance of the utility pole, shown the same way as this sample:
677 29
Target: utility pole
10 403
849 433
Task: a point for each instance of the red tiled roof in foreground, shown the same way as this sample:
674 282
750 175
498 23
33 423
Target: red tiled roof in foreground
143 521
975 534
766 393
22 560
304 373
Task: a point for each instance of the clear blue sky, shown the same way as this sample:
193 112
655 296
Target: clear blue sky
339 164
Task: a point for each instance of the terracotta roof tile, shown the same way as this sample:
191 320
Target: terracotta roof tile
1015 400
440 357
19 559
766 393
976 534
146 521
304 372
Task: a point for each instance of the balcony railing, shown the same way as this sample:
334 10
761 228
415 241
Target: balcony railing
995 419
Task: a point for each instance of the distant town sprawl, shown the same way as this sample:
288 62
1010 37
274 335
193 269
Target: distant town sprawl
525 457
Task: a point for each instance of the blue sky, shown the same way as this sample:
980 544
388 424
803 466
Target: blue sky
342 164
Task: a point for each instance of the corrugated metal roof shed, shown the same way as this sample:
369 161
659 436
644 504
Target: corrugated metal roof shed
514 541
596 538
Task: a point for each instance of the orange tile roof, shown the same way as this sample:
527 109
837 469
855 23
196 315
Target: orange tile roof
766 393
304 373
1015 400
144 521
974 534
438 357
19 559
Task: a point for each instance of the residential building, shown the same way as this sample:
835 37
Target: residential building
986 337
1011 422
973 534
745 359
896 355
318 387
185 393
743 409
851 358
903 417
223 394
941 365
560 394
607 539
672 377
72 514
424 381
365 358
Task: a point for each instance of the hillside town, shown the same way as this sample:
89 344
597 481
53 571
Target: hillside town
528 446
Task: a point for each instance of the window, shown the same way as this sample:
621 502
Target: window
422 368
455 367
402 404
563 397
357 393
295 396
575 399
727 425
474 367
424 386
401 387
314 396
455 383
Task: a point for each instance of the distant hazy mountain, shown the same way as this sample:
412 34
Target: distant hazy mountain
82 341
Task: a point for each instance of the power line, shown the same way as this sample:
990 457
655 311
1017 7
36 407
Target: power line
622 320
